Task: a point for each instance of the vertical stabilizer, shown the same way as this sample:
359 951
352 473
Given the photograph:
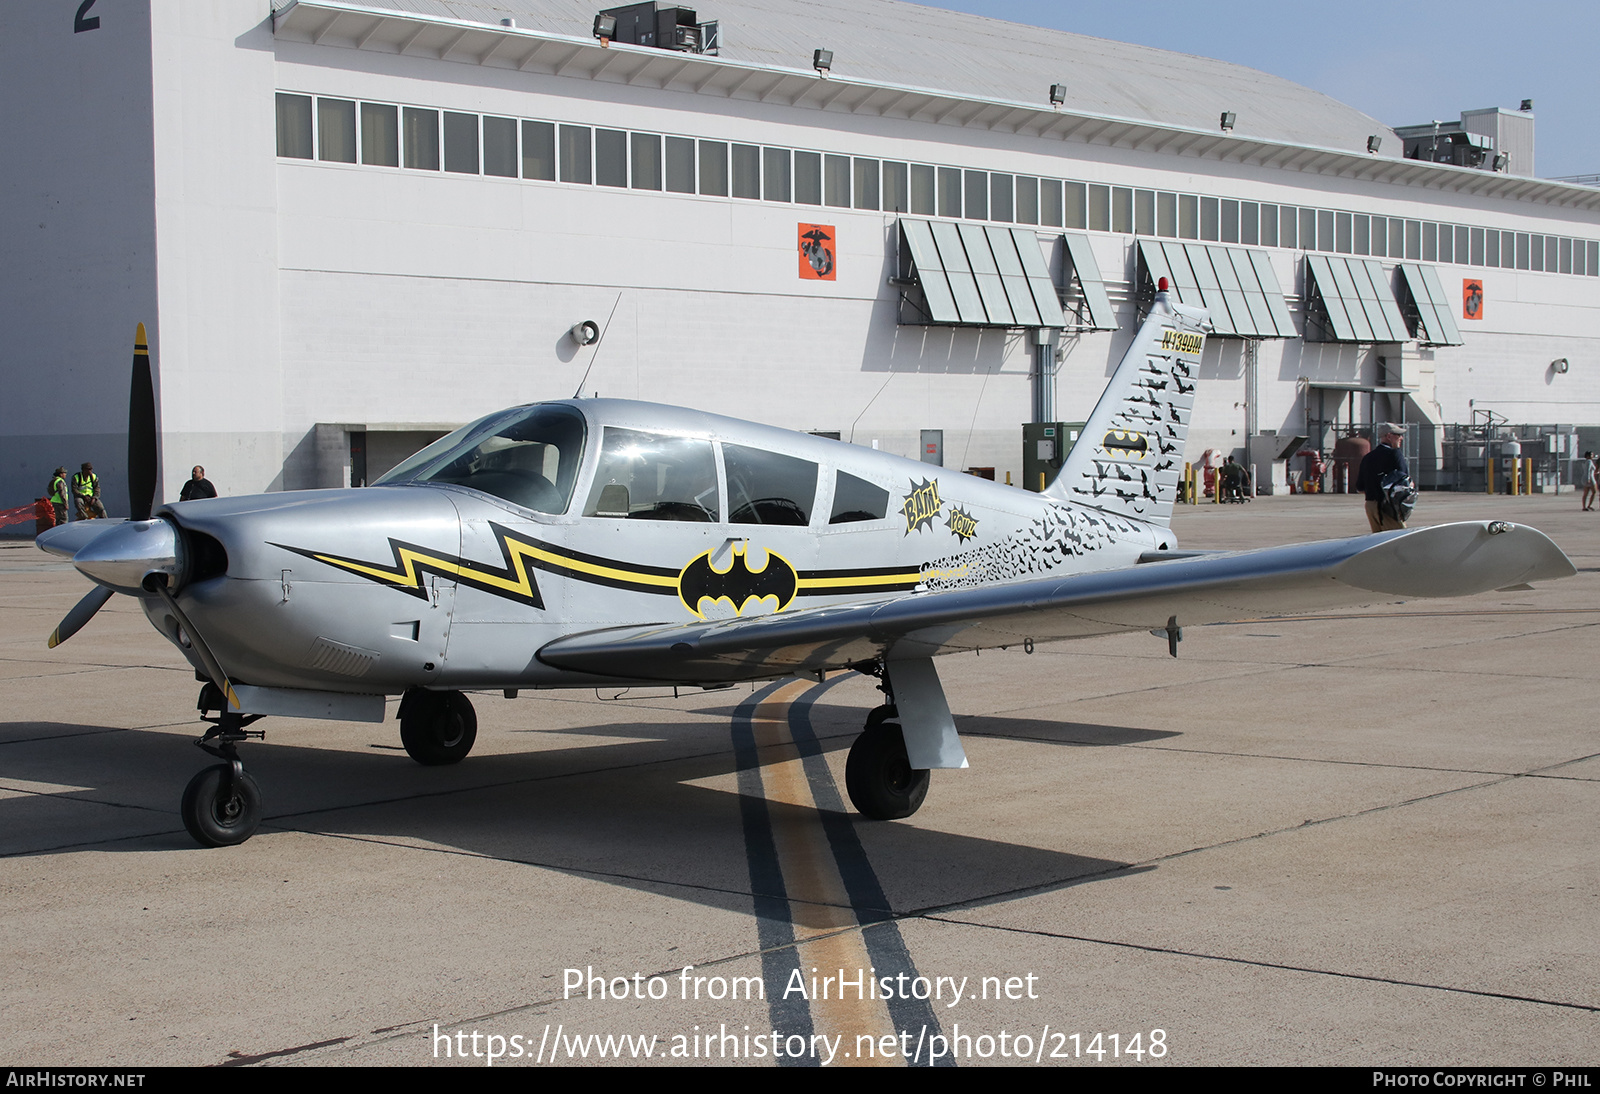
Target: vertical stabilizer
1129 456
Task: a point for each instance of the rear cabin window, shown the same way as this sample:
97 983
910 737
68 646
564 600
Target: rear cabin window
647 476
857 500
768 488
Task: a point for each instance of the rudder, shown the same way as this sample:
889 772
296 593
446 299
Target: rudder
1129 457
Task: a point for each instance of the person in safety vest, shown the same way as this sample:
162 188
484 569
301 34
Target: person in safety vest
58 494
86 492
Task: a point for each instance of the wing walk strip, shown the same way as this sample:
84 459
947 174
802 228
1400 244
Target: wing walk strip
818 903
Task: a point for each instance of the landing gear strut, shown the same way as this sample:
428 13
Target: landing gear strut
437 727
878 775
222 804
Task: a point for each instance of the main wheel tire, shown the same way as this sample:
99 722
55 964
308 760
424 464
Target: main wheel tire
879 777
218 818
439 727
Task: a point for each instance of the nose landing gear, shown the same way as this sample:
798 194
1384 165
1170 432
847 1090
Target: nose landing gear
221 805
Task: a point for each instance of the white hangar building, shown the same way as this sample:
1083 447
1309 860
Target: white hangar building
352 226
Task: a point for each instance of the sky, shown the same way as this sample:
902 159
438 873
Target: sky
1402 62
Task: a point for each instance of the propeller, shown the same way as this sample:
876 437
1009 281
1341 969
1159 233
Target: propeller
80 614
141 432
91 548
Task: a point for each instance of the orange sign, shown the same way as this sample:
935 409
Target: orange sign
818 252
1471 298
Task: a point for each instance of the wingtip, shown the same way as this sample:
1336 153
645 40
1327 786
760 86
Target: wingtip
54 640
141 344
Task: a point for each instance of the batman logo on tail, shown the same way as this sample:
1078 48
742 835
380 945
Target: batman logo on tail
738 584
1132 444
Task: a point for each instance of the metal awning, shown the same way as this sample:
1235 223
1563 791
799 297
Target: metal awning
1236 284
1428 311
1349 300
1091 286
975 275
1367 389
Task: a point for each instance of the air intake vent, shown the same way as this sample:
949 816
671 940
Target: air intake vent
330 656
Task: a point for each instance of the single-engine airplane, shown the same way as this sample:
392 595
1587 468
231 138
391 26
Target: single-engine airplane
602 542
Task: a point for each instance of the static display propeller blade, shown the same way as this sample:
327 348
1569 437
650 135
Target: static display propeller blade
207 658
141 432
81 613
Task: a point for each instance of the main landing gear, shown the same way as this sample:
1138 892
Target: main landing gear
437 727
222 804
878 775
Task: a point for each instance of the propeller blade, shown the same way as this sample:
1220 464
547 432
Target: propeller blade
141 432
207 658
81 613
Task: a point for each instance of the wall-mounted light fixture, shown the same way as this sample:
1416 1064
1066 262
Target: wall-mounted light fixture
1560 364
1228 118
1374 142
1501 161
586 333
1527 104
822 61
1058 94
605 28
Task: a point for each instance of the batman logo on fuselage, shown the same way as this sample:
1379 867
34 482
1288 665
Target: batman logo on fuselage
739 585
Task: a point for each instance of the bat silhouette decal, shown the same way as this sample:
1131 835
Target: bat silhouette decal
738 584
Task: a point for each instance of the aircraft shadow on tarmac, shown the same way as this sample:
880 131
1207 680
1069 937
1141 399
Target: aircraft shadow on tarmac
659 812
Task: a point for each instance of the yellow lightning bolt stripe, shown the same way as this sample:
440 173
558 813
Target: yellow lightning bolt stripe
665 581
407 575
519 552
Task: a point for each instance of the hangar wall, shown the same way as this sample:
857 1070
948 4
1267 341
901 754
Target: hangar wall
289 293
79 232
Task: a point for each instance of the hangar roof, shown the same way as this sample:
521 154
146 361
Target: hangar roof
896 59
908 45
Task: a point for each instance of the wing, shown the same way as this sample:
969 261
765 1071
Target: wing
1450 560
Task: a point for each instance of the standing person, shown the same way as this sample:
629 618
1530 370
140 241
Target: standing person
1587 472
86 492
58 494
1375 465
198 486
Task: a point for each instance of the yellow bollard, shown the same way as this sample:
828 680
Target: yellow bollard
1527 474
1041 482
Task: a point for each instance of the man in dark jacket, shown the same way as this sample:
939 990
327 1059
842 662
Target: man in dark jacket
198 486
1375 465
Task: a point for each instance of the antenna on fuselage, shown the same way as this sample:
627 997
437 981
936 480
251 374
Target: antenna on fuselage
598 339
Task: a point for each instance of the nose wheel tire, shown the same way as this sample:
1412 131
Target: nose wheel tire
221 807
879 777
438 727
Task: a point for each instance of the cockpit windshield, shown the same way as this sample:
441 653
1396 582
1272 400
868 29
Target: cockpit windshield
528 456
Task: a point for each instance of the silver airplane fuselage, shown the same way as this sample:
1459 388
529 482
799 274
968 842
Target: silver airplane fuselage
445 585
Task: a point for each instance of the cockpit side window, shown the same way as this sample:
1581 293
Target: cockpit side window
768 488
529 457
857 500
648 476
